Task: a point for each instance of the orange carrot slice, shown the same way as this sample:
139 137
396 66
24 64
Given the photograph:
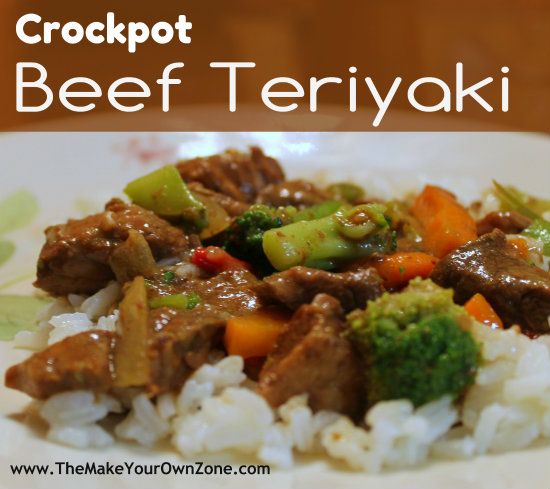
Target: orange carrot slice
255 334
398 269
520 246
446 224
480 309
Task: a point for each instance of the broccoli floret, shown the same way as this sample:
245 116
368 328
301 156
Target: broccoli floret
414 346
244 237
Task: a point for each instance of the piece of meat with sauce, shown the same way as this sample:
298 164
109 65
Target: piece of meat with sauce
184 338
238 175
519 292
82 361
75 257
297 193
509 222
179 341
85 360
312 356
231 206
299 285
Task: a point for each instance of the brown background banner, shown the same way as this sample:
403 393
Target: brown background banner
386 39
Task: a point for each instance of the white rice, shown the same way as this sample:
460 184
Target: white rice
72 418
76 314
145 423
99 304
508 407
399 435
489 202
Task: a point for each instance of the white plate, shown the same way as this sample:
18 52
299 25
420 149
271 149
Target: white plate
72 174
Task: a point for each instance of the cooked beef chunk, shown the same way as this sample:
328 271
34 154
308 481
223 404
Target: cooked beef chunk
180 345
313 357
237 175
75 258
298 193
299 285
231 206
82 361
179 341
519 292
184 338
511 222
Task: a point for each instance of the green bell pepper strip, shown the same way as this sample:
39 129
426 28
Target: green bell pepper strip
164 192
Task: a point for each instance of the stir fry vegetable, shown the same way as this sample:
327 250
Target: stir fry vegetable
413 345
132 366
176 301
217 218
513 199
317 211
255 335
215 260
165 193
520 246
324 243
245 236
532 207
398 269
540 229
480 309
446 225
244 239
168 277
132 258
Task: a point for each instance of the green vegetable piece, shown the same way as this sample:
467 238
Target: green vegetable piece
540 229
7 249
176 301
168 277
243 239
17 211
324 243
513 199
345 191
413 345
165 193
193 300
317 211
18 313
